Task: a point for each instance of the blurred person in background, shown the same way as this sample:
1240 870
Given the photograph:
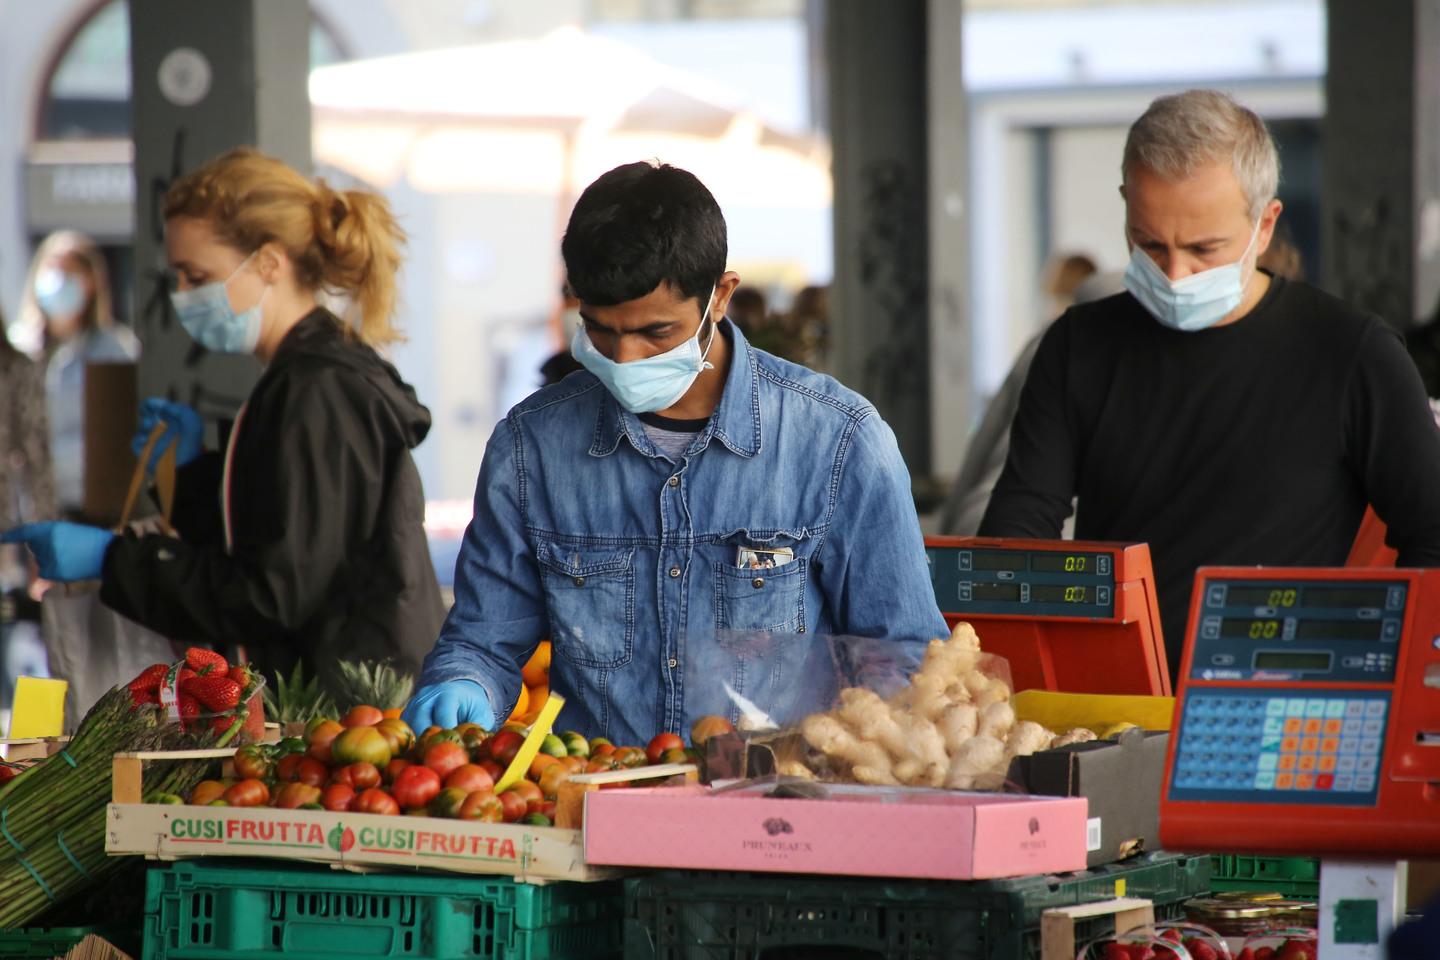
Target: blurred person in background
1063 277
67 313
27 494
304 539
1220 413
561 364
749 310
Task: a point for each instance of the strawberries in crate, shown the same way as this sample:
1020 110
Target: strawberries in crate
218 694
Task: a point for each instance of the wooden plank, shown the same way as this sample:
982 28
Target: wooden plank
212 754
1057 926
688 770
125 774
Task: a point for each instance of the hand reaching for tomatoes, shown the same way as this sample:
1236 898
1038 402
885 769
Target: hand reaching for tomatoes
448 705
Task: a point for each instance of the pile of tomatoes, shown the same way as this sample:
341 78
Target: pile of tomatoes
368 762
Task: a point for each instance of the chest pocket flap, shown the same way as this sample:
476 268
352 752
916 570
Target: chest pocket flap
590 595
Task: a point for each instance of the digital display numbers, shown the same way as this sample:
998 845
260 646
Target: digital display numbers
1063 562
1056 593
1251 629
1284 598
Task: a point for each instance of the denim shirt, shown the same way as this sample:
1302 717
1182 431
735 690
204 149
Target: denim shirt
585 533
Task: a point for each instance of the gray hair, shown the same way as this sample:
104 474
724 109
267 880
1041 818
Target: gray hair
1184 131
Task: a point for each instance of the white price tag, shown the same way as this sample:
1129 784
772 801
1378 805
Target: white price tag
1092 835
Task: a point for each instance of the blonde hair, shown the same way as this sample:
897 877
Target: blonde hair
340 241
1179 133
82 251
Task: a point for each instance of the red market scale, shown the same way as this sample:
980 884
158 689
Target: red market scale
1069 615
1308 722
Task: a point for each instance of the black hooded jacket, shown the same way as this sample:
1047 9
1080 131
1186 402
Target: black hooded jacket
329 558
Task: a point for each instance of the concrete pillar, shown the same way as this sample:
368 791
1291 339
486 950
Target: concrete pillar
878 302
1381 177
206 77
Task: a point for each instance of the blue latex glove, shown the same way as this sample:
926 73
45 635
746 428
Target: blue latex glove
64 551
449 704
186 429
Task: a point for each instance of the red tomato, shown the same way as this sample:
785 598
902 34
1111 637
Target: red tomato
337 797
376 800
398 733
361 776
504 746
393 768
484 806
416 787
469 777
248 793
252 762
530 793
629 757
294 795
445 757
319 738
312 771
661 743
447 803
514 806
362 716
289 766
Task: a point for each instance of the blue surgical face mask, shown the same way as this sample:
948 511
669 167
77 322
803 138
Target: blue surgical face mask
59 293
654 383
1192 303
206 315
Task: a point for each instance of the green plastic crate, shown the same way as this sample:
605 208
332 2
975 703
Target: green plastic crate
681 915
1291 876
46 943
196 910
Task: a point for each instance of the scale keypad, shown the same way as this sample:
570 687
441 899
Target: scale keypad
1289 747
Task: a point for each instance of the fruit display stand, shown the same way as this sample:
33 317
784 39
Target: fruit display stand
218 910
31 748
173 831
677 915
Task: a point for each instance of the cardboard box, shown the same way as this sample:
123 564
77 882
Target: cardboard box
111 410
851 830
1120 780
362 840
170 832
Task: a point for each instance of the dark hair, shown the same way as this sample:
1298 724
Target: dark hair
641 225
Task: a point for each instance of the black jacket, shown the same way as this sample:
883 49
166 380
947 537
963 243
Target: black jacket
329 559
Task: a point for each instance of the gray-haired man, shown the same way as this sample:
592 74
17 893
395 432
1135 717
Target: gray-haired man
1222 415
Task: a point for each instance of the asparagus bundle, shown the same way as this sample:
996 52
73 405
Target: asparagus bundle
52 817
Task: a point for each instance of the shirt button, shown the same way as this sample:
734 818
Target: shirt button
758 582
579 581
674 663
801 629
675 481
674 572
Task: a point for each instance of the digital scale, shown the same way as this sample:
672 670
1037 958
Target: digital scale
1308 722
1069 615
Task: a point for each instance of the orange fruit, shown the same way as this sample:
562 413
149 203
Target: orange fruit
537 669
393 713
522 706
538 696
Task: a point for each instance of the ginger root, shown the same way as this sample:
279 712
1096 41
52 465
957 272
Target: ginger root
1027 737
1077 735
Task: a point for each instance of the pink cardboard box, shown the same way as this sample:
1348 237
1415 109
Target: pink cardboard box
855 830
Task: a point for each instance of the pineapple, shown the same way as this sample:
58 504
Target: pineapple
296 700
373 684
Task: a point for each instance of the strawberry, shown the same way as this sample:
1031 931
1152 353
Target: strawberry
1171 934
139 696
189 710
149 678
1265 953
1116 951
218 694
204 661
1200 950
1246 954
220 724
241 674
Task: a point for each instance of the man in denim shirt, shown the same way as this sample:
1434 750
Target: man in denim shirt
683 490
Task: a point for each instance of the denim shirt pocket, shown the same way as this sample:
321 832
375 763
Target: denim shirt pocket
590 595
770 599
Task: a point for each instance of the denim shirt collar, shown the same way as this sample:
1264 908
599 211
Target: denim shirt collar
735 422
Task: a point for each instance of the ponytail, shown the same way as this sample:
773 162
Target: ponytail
339 241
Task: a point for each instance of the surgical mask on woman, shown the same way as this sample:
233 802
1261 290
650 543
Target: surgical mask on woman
1191 303
206 315
652 383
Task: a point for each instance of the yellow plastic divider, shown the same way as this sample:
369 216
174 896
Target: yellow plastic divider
538 731
1095 711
